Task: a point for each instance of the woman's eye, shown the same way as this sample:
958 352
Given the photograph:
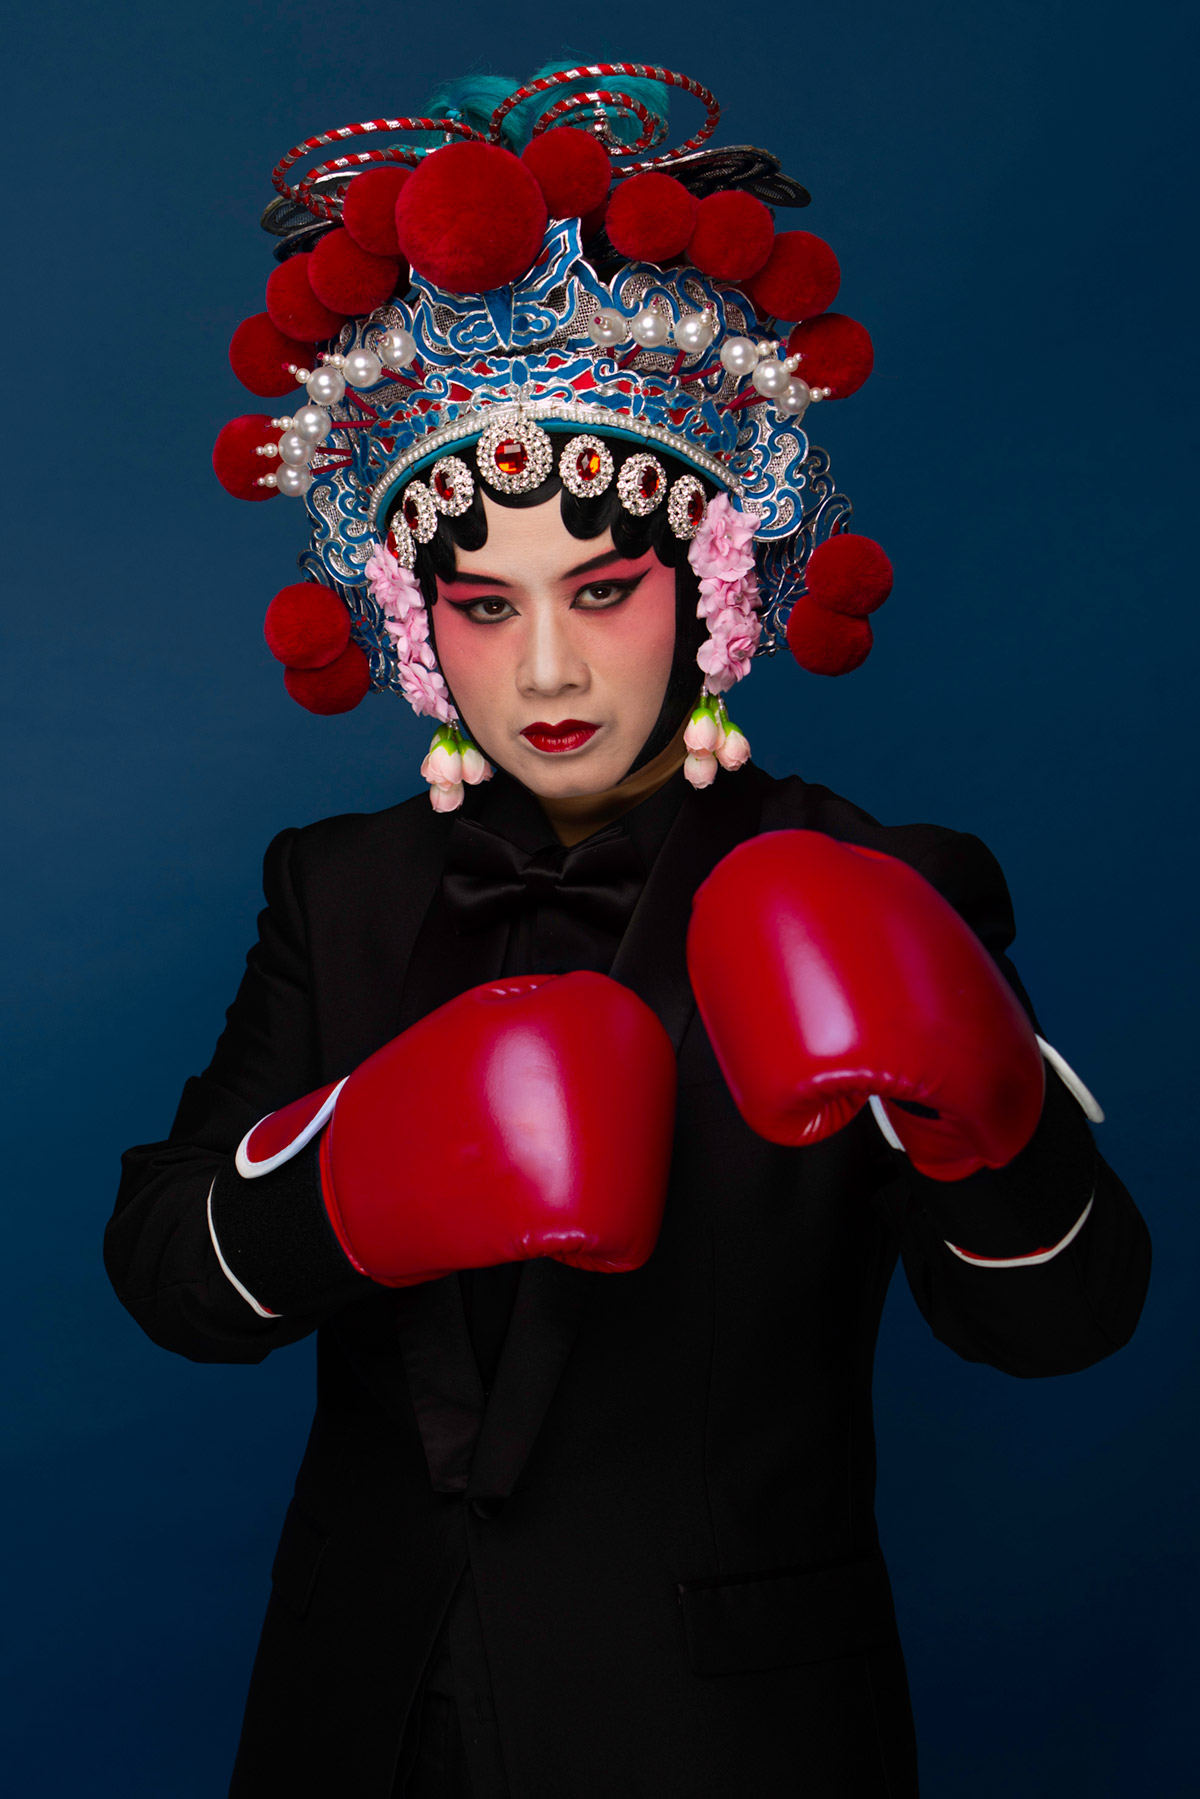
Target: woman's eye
603 593
488 609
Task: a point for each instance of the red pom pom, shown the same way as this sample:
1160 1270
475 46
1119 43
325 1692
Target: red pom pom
848 574
293 306
471 218
835 353
572 169
800 277
825 643
369 209
235 464
650 218
259 354
306 625
733 237
349 279
337 687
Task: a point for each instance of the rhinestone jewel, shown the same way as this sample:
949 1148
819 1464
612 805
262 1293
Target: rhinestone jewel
420 515
452 487
514 455
686 507
510 456
586 467
641 485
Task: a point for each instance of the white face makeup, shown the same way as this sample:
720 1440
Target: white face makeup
557 649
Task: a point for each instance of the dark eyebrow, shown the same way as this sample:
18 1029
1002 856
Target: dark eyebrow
458 578
584 568
602 561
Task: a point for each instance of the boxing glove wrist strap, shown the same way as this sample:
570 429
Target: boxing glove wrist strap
273 1240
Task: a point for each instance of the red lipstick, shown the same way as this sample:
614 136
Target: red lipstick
571 734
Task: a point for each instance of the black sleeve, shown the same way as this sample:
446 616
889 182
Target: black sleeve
1029 1317
277 1245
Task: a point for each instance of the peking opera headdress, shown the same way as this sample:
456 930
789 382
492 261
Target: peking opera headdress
454 312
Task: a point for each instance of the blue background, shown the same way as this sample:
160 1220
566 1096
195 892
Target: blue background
1007 190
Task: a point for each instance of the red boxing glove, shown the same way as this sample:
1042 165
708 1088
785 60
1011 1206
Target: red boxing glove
528 1117
826 973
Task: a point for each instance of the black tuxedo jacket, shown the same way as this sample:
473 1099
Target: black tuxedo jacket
666 1498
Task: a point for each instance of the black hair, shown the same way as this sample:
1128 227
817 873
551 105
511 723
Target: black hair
585 519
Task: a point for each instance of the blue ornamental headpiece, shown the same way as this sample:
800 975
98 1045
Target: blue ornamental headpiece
536 319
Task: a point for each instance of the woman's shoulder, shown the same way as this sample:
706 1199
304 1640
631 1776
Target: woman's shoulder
356 850
957 863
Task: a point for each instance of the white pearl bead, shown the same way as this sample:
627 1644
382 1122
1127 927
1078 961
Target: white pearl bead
796 397
607 327
362 368
283 424
739 355
325 386
771 379
295 449
649 328
693 332
266 481
298 374
294 481
397 348
332 359
312 422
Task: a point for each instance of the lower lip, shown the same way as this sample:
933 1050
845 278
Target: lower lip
556 742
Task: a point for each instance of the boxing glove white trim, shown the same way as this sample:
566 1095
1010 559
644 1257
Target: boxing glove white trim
885 1124
250 1170
1030 1261
1092 1109
226 1270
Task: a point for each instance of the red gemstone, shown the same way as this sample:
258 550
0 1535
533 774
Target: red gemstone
411 515
649 482
443 486
695 507
510 456
587 464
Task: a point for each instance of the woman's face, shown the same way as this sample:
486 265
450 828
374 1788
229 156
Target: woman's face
557 649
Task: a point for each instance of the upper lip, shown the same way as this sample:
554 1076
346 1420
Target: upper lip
564 724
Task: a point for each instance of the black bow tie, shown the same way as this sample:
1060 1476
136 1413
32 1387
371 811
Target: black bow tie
487 878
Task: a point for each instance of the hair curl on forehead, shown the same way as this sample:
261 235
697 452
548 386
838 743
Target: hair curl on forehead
586 519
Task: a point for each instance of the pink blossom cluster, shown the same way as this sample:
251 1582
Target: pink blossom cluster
407 624
722 555
712 740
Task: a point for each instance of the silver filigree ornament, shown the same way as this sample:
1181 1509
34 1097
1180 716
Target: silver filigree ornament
687 504
420 513
642 485
585 465
514 455
452 486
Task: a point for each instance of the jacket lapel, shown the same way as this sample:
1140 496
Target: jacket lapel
551 1298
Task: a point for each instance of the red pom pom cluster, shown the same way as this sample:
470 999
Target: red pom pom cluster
307 628
236 462
369 209
651 218
471 218
835 353
846 577
349 279
294 307
572 169
262 357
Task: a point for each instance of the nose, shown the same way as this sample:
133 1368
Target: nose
550 662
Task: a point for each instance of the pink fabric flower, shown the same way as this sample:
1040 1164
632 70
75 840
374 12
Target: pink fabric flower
425 691
406 622
734 751
446 799
726 656
700 769
723 547
703 734
722 554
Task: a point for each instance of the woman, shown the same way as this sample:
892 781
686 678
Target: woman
585 1112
